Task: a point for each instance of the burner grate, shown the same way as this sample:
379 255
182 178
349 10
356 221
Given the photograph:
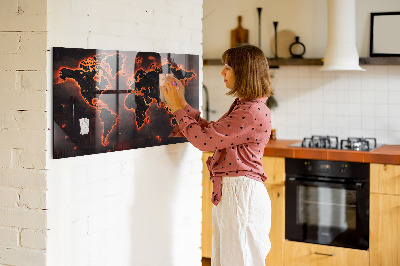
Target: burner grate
327 142
358 144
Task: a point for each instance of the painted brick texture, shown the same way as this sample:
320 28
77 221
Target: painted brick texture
23 218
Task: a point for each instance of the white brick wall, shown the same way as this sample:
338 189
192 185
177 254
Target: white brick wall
136 207
23 132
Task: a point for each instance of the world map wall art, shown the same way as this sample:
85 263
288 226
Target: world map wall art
106 101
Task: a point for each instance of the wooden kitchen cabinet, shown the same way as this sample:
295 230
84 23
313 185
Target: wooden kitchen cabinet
274 168
385 215
385 178
305 254
206 225
277 233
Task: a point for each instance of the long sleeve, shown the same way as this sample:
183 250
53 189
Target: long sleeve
193 113
231 130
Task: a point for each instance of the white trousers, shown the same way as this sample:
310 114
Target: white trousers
241 223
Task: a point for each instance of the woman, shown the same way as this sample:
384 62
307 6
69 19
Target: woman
242 208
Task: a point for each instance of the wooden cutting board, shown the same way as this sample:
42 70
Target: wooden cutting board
239 35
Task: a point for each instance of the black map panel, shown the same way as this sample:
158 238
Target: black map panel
105 101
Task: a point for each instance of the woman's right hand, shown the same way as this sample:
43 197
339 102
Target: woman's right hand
181 90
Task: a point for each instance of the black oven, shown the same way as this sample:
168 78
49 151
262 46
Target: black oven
327 202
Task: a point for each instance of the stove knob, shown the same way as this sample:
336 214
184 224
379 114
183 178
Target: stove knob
343 168
308 166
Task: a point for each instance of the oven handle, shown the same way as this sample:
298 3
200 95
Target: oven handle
357 185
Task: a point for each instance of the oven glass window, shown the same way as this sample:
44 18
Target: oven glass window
326 207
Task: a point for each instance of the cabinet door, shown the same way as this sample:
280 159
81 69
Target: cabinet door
274 168
304 254
206 232
277 233
384 236
385 178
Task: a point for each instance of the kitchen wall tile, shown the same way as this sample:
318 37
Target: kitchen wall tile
317 95
380 84
368 122
381 136
304 72
278 82
355 109
381 122
342 80
380 71
304 82
367 96
342 109
291 71
355 132
381 97
342 96
355 122
316 82
367 133
394 123
393 71
317 131
328 74
329 93
354 80
365 99
381 110
317 120
394 137
367 82
304 109
329 109
317 107
315 72
342 133
369 70
278 71
394 97
367 110
342 122
305 95
355 96
329 122
394 83
293 120
394 110
292 82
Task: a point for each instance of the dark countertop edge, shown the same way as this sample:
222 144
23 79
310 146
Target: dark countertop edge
386 154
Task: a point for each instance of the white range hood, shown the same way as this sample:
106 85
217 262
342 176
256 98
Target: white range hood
341 51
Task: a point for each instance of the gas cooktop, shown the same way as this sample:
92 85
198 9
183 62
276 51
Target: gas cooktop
332 142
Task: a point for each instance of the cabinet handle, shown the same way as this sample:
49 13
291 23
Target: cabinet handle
324 254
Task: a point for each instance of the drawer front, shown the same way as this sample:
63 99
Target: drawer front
297 253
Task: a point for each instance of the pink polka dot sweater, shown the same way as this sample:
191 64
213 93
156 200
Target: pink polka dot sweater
238 139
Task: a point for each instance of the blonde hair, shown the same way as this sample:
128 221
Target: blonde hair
250 66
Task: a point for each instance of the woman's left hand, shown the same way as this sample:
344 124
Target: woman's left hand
173 99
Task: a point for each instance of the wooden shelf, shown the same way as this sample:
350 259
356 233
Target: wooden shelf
380 61
274 63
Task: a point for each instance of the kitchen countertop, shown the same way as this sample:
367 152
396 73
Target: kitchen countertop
389 154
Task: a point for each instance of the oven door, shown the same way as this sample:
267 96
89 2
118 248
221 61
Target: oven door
327 213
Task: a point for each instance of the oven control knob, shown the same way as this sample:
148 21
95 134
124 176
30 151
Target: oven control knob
308 166
343 168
